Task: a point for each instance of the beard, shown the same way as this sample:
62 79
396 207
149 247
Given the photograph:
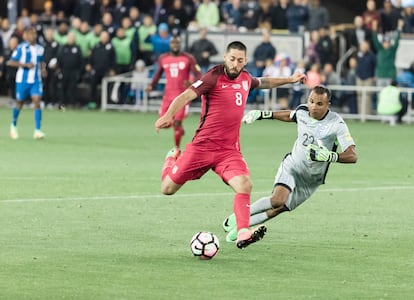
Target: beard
175 52
230 74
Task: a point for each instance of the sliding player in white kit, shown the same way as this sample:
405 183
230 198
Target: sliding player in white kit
304 169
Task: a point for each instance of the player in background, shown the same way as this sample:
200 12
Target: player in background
303 170
28 58
216 143
178 67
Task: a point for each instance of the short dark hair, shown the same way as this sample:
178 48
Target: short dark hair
236 45
321 89
30 28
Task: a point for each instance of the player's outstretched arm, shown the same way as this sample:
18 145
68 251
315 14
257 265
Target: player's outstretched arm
253 115
272 82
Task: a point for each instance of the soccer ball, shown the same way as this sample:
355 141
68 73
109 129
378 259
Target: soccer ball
204 245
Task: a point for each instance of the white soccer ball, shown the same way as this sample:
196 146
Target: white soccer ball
204 245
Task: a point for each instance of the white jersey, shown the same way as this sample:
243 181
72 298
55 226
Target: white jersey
331 131
296 172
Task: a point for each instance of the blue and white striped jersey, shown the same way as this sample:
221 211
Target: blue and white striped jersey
24 54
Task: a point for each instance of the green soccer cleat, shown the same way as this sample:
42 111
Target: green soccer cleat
231 236
250 236
14 135
38 134
174 152
229 223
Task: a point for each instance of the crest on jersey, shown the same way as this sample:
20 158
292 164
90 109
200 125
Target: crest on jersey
245 85
322 131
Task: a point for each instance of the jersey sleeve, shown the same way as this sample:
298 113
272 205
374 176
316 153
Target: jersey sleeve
293 113
40 52
255 83
158 73
17 54
195 68
344 136
205 83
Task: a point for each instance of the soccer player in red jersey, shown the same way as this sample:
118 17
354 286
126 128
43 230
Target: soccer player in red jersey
178 67
215 145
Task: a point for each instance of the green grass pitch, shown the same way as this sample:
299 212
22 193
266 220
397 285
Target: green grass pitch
82 216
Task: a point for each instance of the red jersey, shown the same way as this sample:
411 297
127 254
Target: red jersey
177 70
223 103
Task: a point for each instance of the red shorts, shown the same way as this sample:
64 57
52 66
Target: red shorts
195 161
179 116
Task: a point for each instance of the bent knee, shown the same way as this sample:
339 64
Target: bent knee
167 191
279 197
242 184
248 185
169 188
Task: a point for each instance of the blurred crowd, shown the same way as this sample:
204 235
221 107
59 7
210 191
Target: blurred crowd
91 39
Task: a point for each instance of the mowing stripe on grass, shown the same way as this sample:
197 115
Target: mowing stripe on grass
152 196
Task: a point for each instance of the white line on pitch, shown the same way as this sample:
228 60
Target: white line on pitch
182 195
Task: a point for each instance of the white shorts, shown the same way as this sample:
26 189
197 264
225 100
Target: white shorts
302 187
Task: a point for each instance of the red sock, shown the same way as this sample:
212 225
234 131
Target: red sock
168 164
241 209
178 134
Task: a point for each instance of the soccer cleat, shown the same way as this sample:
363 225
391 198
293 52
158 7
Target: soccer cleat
231 235
174 153
37 135
250 236
13 132
229 223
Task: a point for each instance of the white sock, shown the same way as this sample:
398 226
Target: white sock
260 205
258 218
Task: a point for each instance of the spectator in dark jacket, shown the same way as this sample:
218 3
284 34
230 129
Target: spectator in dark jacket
101 63
70 63
278 15
264 51
365 75
318 15
324 46
50 81
203 49
389 16
297 15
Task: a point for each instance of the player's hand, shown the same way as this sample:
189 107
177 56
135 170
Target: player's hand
299 77
148 89
251 116
29 65
163 122
254 115
320 153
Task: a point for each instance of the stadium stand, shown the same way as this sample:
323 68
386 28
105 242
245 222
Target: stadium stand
107 15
